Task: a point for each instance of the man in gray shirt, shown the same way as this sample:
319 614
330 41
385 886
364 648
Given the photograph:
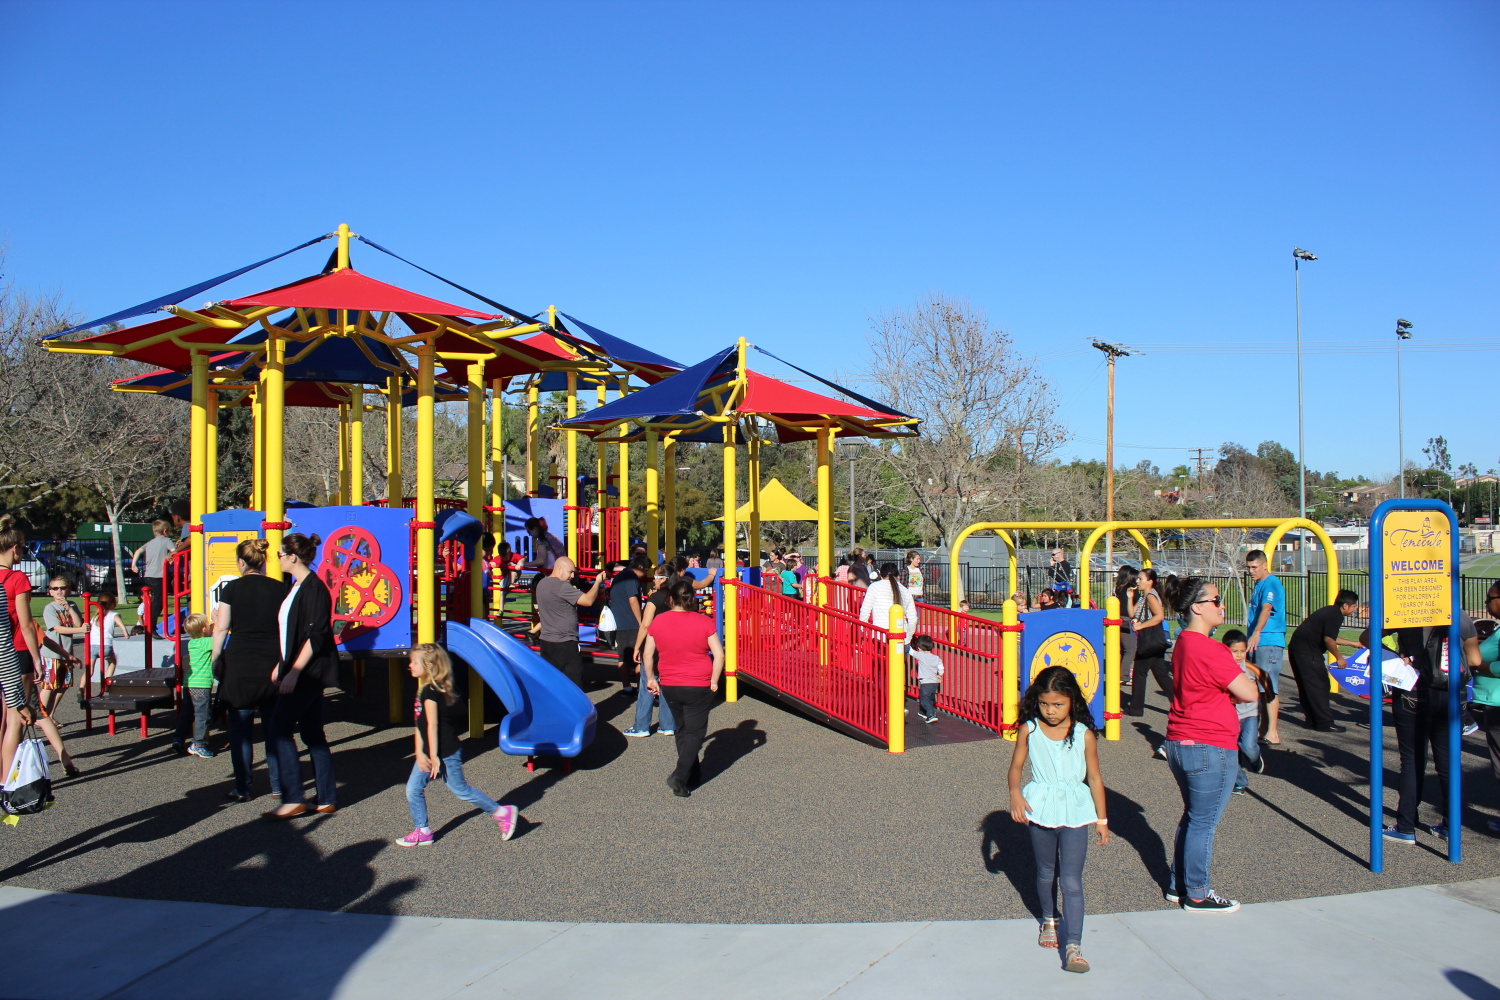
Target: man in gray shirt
557 604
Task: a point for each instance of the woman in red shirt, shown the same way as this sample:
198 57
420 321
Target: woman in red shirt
1202 738
683 662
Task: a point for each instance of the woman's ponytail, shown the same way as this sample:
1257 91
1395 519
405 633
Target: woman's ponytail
1180 593
252 552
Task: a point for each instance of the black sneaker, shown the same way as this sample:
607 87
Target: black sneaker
1335 728
1260 764
1171 895
1212 903
1241 789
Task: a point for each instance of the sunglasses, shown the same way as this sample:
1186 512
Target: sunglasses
1217 601
57 588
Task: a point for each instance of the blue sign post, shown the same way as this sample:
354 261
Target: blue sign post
1414 583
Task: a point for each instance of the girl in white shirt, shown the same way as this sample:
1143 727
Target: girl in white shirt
102 631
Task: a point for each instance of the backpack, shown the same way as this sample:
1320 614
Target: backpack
28 786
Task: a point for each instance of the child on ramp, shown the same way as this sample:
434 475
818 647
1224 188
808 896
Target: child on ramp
1064 797
440 716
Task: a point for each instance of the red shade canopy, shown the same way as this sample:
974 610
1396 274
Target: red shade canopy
164 354
773 397
348 289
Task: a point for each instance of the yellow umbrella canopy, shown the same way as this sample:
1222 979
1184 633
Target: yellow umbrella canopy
777 503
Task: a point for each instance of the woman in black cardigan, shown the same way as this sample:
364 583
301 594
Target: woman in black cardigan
309 663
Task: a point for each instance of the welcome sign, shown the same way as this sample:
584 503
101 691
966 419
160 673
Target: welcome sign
1417 586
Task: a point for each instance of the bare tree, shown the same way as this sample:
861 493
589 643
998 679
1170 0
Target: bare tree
988 416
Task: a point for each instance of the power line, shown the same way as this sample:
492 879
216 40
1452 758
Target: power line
1200 457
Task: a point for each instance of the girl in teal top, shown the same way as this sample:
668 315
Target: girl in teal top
1064 797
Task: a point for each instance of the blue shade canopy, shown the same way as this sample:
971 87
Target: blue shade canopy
674 397
622 350
172 298
336 359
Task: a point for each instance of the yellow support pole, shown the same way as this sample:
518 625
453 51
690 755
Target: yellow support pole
211 450
343 451
753 486
1111 668
395 493
669 497
1010 668
825 503
258 447
395 669
343 247
497 445
274 421
624 543
198 476
896 684
427 609
533 438
731 630
653 495
601 472
356 446
570 440
475 428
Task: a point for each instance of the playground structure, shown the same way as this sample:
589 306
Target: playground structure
407 569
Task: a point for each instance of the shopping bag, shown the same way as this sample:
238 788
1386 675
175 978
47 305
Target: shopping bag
28 786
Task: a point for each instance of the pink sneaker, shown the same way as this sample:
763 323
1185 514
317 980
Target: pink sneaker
506 817
417 838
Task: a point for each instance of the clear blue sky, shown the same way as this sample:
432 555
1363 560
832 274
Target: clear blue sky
682 174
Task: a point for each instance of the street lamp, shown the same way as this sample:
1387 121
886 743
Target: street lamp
1403 332
1111 352
1298 256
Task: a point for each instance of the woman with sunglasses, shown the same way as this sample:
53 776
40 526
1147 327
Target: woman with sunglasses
1202 738
308 664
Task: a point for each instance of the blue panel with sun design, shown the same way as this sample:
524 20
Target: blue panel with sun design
1067 637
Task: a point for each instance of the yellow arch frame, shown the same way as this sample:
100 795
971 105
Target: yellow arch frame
1098 529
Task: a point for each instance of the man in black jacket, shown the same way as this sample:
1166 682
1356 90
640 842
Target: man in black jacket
1319 634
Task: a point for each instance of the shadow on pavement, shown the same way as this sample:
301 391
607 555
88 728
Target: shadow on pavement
1006 850
725 747
1470 985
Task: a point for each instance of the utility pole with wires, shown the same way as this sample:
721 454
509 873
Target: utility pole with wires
1111 352
1200 458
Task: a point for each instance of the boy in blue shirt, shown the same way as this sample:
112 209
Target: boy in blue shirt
1266 646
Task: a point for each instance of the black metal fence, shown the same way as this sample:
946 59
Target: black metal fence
86 563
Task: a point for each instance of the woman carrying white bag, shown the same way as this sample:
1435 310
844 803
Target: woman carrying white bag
27 778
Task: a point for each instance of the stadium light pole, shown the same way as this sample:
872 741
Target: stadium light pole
1298 256
1403 332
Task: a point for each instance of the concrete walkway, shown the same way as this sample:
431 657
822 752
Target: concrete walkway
1415 944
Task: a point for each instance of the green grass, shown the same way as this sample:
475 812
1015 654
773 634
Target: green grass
1487 564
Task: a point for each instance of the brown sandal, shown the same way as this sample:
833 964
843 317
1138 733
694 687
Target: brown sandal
1074 960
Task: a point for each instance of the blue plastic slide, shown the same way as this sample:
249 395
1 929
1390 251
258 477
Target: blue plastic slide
547 713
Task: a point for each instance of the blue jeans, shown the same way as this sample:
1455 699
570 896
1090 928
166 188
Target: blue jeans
1060 853
450 771
1203 776
927 700
643 702
1269 660
301 712
242 747
193 713
1249 749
